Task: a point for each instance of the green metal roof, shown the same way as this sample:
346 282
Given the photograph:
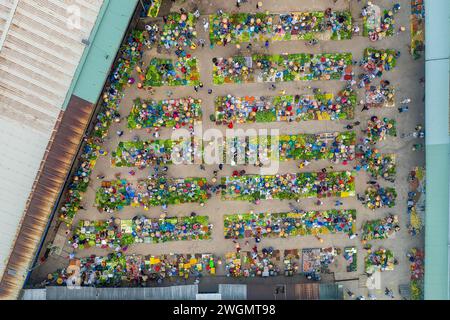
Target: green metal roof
437 44
105 40
436 222
331 291
437 31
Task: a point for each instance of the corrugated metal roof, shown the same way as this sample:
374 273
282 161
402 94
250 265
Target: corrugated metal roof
38 59
7 9
331 291
62 150
34 294
185 292
233 291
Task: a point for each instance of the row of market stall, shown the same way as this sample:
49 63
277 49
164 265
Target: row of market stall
252 27
179 29
288 108
121 233
282 67
118 269
335 147
112 196
269 68
185 112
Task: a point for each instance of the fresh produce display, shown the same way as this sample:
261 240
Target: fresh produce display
248 27
375 62
175 113
417 27
144 154
281 225
335 147
380 228
380 260
252 109
378 129
289 186
166 72
114 195
378 164
417 270
153 10
377 197
115 233
179 30
416 198
351 257
282 67
377 23
118 269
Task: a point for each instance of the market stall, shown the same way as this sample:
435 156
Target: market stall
317 260
377 23
383 228
311 260
380 96
175 113
416 198
179 30
144 154
375 62
291 262
378 164
378 129
174 266
118 269
377 197
253 264
166 72
335 147
301 66
379 260
417 26
153 9
351 258
417 271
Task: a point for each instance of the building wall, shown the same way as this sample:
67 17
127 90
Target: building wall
437 71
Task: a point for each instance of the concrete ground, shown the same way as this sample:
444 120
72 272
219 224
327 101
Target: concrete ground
405 77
